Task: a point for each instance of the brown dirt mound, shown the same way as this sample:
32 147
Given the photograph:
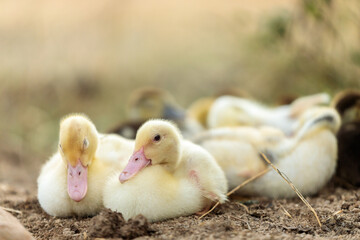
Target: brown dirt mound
109 224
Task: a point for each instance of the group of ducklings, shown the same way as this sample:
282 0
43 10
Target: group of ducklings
181 162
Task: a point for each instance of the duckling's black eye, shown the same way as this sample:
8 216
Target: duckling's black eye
157 138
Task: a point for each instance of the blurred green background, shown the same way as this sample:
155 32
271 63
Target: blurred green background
59 57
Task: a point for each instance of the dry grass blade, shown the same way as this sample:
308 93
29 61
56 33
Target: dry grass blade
247 181
245 207
334 214
285 211
11 210
337 212
212 209
292 186
235 189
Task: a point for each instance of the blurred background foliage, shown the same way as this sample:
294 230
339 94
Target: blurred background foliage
59 57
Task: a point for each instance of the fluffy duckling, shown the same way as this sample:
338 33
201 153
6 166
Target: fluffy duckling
230 111
308 158
71 182
166 176
347 103
150 103
199 109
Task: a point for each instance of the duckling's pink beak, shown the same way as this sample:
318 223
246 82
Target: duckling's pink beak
77 181
136 162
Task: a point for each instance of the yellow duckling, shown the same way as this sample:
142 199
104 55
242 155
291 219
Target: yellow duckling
166 176
199 109
308 158
228 111
71 182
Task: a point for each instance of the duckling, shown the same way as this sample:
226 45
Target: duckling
150 103
347 103
230 111
199 109
308 158
71 182
166 176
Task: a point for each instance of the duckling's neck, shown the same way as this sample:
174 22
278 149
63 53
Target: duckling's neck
173 160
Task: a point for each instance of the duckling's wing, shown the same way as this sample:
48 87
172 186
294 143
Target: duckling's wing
202 168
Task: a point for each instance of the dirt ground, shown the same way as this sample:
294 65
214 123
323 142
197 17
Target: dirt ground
337 207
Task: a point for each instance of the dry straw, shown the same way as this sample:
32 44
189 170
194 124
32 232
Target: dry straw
292 186
11 210
261 174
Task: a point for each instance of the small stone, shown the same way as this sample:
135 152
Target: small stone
345 205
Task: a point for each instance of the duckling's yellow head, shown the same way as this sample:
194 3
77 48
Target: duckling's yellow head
157 142
77 144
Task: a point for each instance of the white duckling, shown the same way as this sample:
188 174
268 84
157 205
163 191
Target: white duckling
199 109
228 111
308 158
166 177
71 182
